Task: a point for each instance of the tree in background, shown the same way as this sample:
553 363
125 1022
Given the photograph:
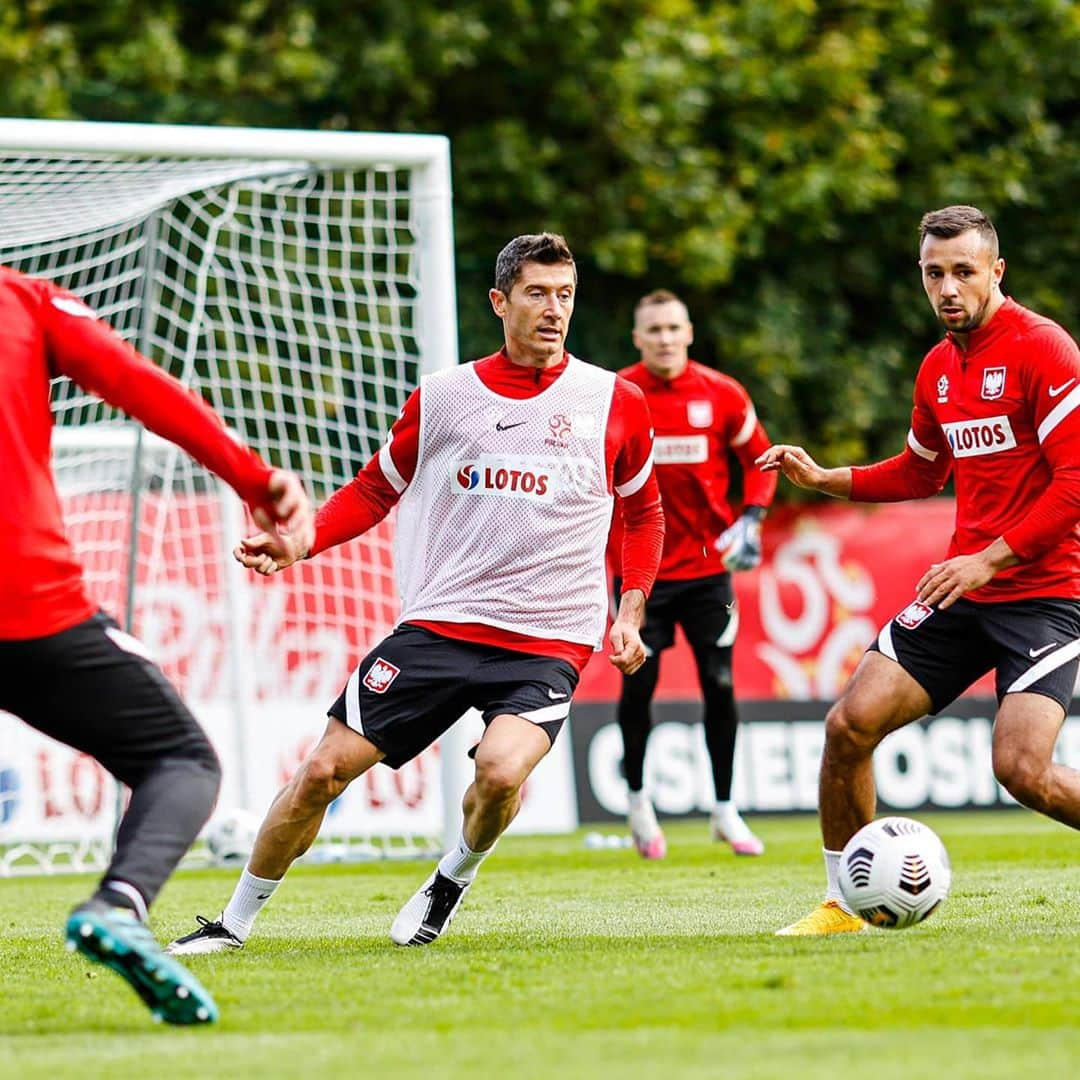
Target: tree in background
768 159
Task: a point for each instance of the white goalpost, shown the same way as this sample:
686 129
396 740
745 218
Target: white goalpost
301 282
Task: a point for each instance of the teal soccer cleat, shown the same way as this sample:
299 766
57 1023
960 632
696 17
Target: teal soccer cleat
116 938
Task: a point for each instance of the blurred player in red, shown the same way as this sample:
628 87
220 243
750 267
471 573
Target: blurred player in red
701 417
506 469
66 668
997 405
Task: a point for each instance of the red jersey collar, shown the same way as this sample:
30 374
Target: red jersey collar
500 374
655 382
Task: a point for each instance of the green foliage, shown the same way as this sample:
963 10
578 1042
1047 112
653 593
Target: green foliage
768 160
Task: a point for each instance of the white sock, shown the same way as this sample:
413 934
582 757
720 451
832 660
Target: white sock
247 901
832 879
639 800
461 863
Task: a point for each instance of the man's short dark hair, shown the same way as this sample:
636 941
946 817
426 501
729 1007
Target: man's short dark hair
951 221
658 296
546 248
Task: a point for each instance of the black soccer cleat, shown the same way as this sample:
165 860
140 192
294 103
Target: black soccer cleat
428 912
211 937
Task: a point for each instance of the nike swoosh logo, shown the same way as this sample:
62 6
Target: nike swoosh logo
262 896
1055 390
1038 652
500 426
554 696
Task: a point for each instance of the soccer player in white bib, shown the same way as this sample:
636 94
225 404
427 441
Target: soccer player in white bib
66 668
506 471
997 405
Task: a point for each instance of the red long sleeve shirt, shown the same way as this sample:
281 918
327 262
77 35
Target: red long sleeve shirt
368 498
699 416
46 332
1003 415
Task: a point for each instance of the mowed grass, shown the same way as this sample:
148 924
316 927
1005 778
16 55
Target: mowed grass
570 962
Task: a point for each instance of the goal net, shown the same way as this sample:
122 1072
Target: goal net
301 282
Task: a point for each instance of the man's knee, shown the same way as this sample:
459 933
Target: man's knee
1025 778
319 780
716 670
851 730
497 781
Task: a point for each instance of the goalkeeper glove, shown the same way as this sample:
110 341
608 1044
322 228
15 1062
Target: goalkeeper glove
740 544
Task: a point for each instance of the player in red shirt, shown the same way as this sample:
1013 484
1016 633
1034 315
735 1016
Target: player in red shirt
997 404
66 668
700 417
506 470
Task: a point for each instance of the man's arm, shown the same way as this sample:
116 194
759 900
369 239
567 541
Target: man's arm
634 480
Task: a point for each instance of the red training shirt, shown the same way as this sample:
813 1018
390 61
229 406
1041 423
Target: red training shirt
699 416
46 332
367 499
1004 416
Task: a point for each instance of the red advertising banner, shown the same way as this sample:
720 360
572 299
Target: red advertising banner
831 577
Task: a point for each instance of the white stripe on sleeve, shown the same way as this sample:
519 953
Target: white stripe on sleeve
1058 413
389 469
747 428
636 483
918 448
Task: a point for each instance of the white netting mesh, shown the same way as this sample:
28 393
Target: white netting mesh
287 294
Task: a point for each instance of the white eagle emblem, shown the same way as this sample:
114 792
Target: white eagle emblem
943 389
380 675
993 385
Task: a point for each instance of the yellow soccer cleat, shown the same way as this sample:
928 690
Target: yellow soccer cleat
827 918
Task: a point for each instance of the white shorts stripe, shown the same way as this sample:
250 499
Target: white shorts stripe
1058 413
747 429
884 641
727 638
918 448
128 643
636 483
352 703
389 469
1048 663
547 713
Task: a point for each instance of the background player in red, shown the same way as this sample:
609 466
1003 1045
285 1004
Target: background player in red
66 668
701 417
506 470
997 404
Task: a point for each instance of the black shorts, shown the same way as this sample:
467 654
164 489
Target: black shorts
704 607
1032 645
415 684
93 687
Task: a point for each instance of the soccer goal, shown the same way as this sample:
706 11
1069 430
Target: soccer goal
301 282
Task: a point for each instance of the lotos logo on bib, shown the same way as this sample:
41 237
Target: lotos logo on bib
506 477
971 438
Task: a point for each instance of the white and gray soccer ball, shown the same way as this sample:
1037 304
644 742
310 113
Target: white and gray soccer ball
894 872
231 836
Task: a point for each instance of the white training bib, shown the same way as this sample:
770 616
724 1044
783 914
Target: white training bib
506 518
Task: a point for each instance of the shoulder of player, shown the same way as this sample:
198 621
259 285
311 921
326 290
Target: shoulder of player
1040 331
30 291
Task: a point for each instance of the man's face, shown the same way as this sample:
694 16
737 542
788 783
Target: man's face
960 276
536 314
663 334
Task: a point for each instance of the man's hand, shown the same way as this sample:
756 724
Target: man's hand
627 651
803 471
740 543
945 582
268 552
290 510
288 527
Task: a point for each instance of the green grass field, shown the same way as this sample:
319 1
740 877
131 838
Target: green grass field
571 962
